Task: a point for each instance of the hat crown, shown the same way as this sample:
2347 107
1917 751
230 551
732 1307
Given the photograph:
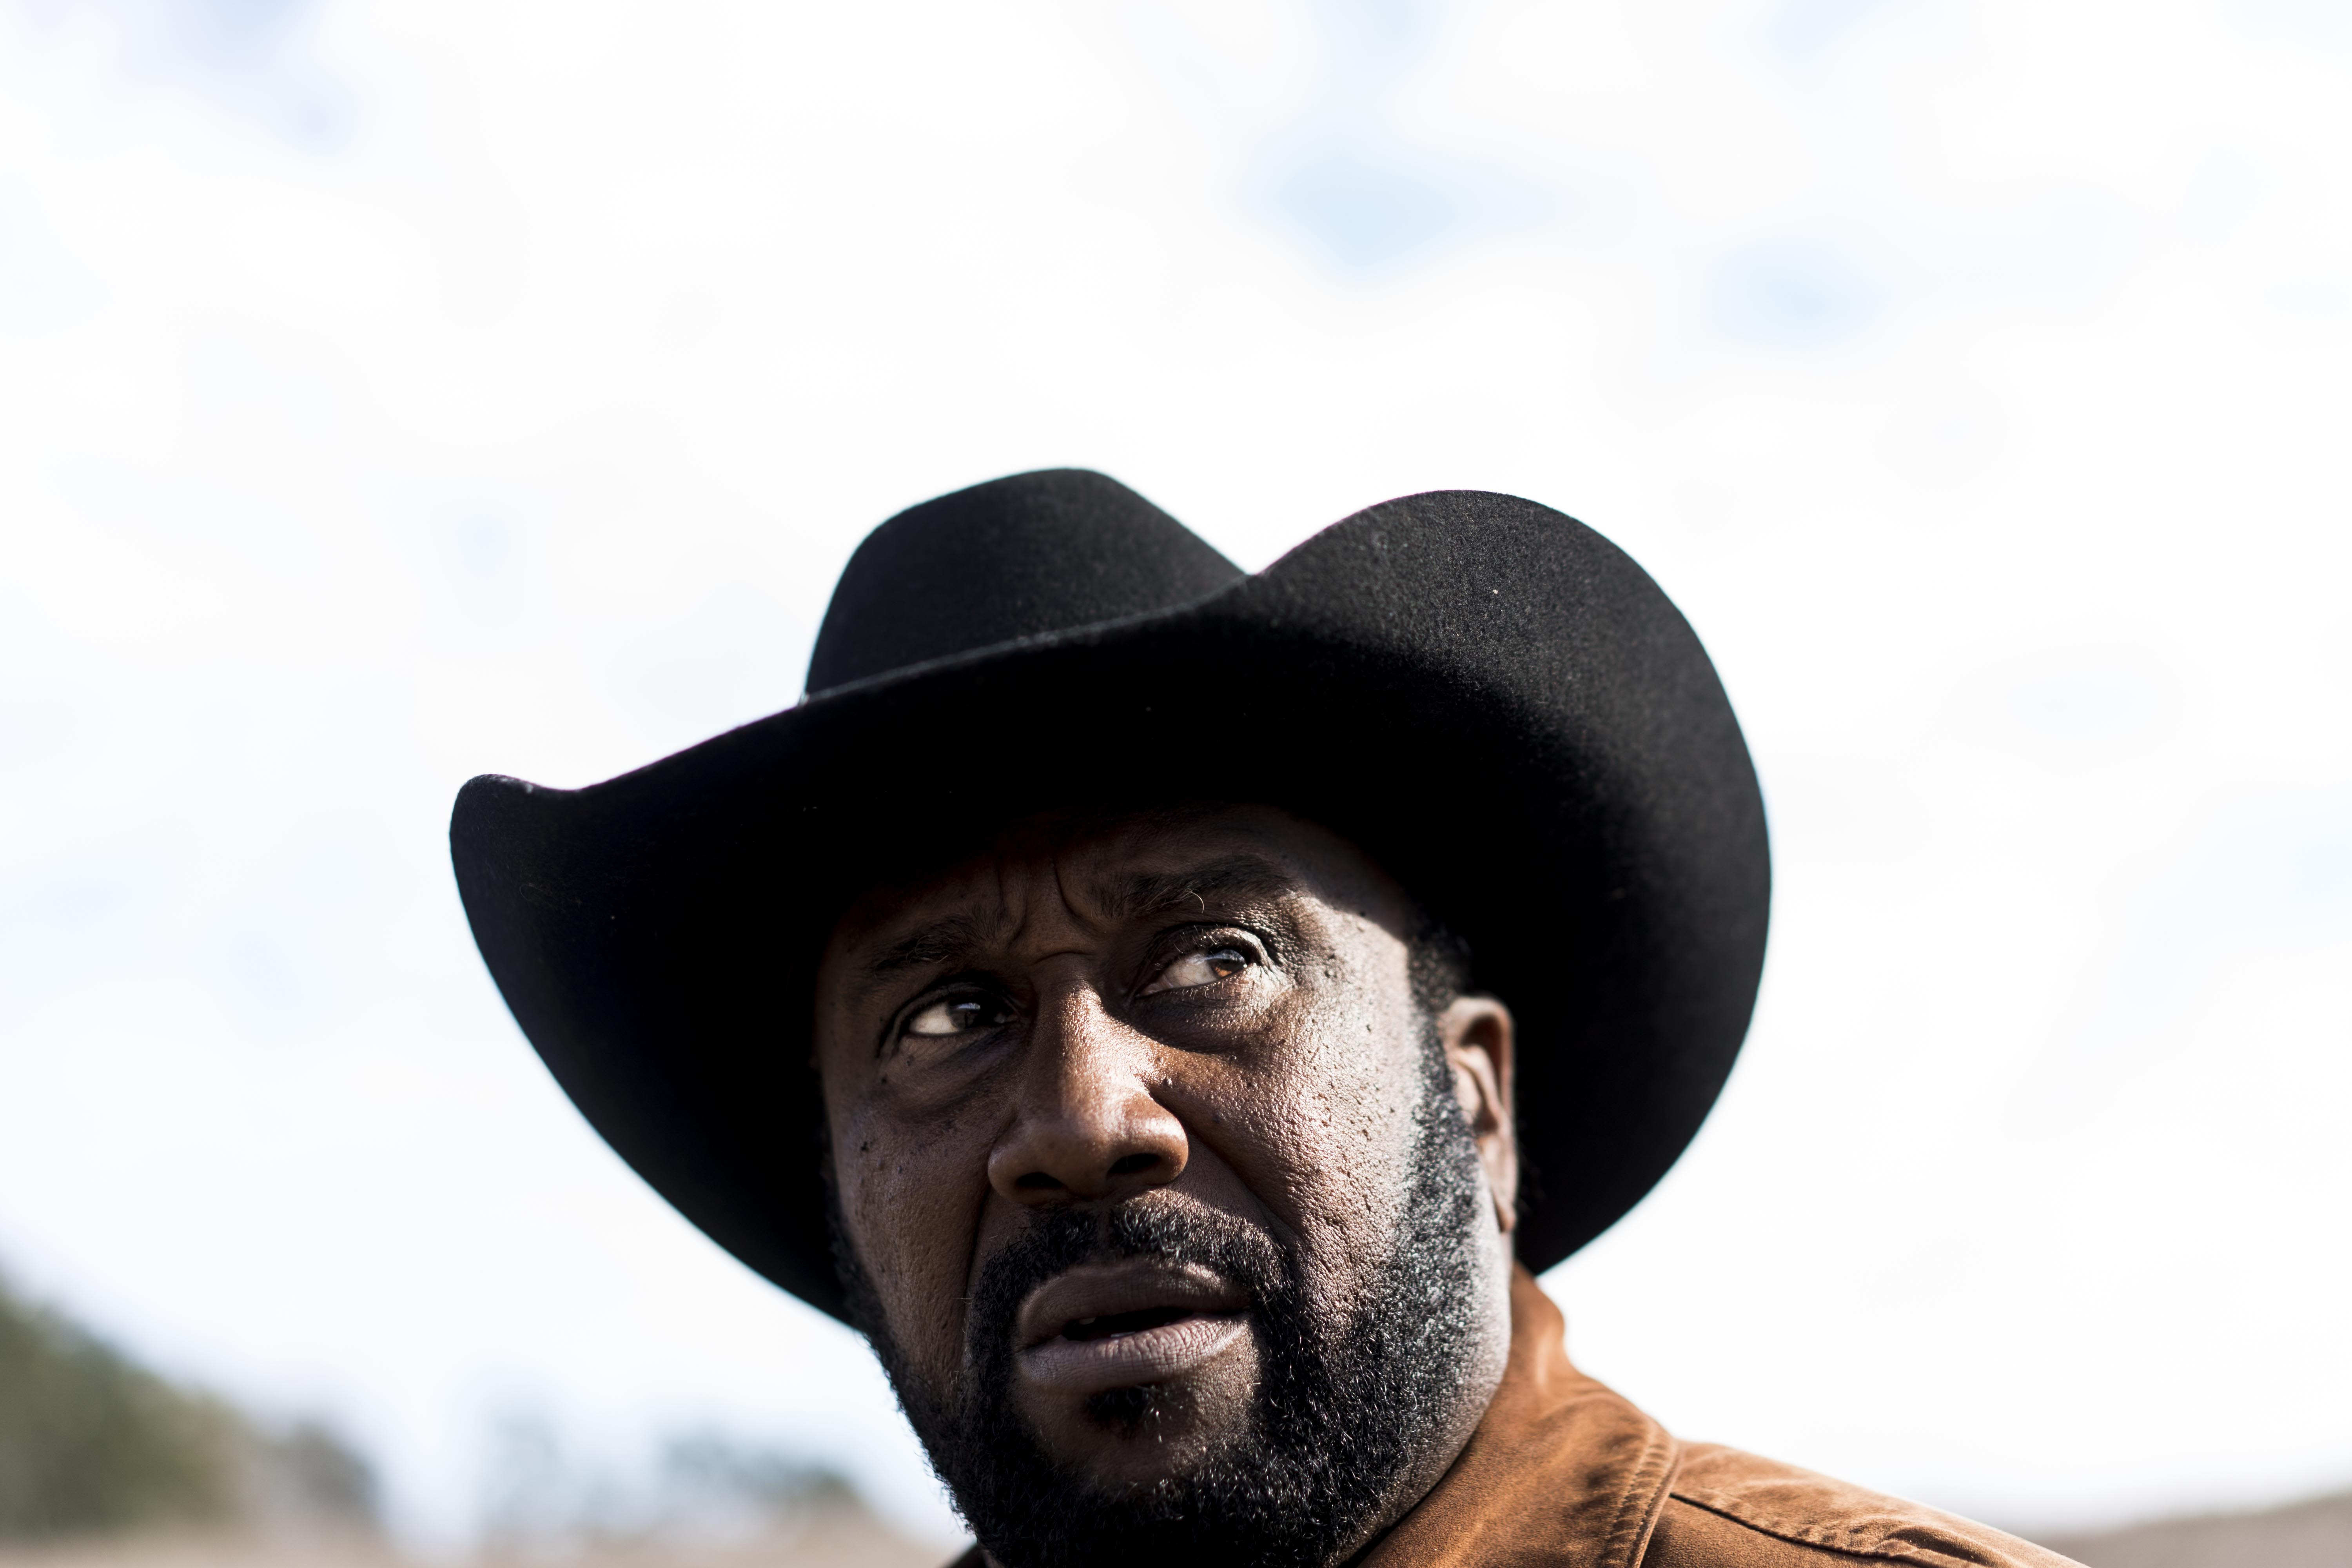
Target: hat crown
1036 552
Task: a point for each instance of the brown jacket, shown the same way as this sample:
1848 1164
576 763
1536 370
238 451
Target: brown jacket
1565 1474
1562 1473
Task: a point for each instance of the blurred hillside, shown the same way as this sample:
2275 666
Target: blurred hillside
92 1443
2312 1534
104 1464
847 1537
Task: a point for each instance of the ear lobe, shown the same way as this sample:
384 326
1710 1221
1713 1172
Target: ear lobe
1478 1037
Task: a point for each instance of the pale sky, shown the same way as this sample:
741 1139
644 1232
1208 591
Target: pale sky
398 392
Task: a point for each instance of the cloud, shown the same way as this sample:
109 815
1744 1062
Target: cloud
250 59
2324 24
2261 872
44 289
1793 294
1804 29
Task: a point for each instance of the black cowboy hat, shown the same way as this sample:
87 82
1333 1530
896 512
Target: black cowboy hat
1488 696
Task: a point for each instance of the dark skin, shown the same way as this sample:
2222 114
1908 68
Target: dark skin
1210 1008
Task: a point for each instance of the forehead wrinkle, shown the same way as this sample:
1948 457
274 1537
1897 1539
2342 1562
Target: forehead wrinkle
995 914
1113 896
1138 894
933 942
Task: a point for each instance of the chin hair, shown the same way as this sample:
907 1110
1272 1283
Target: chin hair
1344 1414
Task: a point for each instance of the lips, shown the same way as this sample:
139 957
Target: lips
1104 1326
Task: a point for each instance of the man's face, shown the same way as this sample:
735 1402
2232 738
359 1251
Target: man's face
1150 1163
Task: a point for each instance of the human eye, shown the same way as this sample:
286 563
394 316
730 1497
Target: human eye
961 1012
1220 958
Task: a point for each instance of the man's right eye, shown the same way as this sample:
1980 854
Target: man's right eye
956 1015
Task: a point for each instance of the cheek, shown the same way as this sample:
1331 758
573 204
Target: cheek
910 1198
1320 1128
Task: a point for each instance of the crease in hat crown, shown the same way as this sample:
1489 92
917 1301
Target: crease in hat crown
1024 556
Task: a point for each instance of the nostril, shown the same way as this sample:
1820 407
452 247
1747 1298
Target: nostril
1133 1165
1037 1182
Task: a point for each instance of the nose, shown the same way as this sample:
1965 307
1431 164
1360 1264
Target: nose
1088 1128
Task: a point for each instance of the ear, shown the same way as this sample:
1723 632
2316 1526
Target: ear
1477 1034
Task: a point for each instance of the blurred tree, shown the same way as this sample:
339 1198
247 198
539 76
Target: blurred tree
91 1442
309 1473
705 1475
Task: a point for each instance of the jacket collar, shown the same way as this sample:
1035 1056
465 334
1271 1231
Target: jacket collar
1561 1471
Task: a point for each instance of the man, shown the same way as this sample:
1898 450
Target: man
1170 1013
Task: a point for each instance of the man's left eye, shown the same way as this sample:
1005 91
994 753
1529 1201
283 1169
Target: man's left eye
1203 968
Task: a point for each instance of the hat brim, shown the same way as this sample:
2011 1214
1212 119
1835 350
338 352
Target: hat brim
1490 699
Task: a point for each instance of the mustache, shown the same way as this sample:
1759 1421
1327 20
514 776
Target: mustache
1175 1233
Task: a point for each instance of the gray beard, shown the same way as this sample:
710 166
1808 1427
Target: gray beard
1344 1410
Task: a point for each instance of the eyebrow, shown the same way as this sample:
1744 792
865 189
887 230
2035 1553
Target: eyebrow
1138 894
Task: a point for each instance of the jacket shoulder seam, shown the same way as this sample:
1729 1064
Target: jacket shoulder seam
1639 1504
1814 1536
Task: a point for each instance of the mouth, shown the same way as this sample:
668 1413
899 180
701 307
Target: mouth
1104 1326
